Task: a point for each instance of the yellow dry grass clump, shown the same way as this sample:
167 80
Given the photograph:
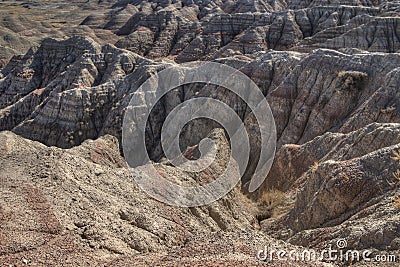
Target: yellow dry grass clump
272 204
395 182
314 167
396 202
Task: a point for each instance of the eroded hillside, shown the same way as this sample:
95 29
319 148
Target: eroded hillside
328 69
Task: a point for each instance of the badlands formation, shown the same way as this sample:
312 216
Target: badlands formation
329 69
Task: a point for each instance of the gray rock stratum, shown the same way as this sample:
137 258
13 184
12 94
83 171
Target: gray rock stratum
207 29
330 71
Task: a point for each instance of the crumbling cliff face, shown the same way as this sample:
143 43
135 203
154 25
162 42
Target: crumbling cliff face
328 69
68 91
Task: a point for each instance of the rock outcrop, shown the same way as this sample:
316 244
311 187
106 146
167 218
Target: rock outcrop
347 93
330 71
183 32
347 186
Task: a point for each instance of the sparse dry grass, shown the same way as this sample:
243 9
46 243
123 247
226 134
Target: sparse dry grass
396 155
396 202
272 198
351 80
346 177
395 182
272 204
315 166
396 175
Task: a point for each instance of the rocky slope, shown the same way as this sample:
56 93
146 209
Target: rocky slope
50 213
330 71
346 186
